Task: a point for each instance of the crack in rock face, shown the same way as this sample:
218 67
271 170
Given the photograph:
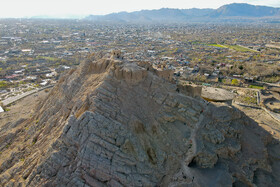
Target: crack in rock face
111 122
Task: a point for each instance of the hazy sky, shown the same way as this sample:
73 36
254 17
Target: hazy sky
26 8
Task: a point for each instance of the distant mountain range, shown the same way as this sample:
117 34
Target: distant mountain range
236 12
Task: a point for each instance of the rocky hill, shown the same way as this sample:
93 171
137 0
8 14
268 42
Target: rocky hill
245 10
236 12
111 122
164 15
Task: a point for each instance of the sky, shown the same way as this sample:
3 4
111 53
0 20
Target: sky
68 8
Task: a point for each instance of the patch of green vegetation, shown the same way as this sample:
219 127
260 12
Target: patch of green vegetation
226 81
169 52
217 45
250 100
235 82
272 79
241 67
6 109
34 140
249 97
256 87
47 58
239 48
3 84
234 47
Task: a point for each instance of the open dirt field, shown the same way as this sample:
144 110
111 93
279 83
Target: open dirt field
22 109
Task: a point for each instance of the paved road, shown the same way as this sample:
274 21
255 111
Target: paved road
272 46
258 98
18 97
272 114
270 84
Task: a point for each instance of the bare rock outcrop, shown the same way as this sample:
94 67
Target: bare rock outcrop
113 123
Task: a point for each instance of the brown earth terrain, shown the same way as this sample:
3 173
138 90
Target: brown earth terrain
270 99
263 119
23 109
110 122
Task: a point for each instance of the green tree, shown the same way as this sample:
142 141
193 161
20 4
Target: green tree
235 82
240 67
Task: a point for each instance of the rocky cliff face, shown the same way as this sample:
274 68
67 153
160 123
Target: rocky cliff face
114 123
